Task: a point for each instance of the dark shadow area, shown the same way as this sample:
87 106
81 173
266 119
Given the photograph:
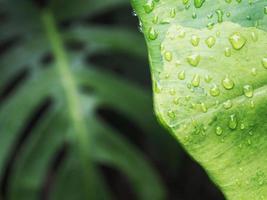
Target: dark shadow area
13 84
52 171
118 182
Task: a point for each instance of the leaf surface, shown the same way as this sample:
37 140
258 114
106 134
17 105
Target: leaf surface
209 71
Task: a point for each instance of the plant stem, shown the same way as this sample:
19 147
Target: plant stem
76 114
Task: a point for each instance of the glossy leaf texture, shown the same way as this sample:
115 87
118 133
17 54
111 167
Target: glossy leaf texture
53 84
209 68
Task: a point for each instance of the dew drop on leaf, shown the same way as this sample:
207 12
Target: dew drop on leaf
248 91
196 80
237 41
181 75
198 3
152 34
210 41
228 104
149 6
214 91
195 40
232 122
228 83
227 52
264 62
193 60
168 56
219 130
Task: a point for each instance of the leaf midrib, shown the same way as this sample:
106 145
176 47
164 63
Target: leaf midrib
69 86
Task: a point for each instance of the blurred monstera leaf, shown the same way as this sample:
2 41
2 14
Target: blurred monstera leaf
209 68
50 102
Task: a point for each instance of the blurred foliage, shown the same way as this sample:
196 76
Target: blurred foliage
57 104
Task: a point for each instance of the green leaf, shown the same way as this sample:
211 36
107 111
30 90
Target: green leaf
208 62
73 91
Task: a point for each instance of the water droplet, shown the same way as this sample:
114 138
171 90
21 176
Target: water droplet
196 80
155 19
176 101
232 122
227 52
265 10
214 91
210 25
252 104
171 114
210 41
219 13
254 71
185 2
237 41
208 78
157 87
264 62
254 36
173 13
181 75
219 131
152 34
168 56
198 3
248 91
194 15
228 83
204 107
149 6
193 59
172 92
228 104
195 40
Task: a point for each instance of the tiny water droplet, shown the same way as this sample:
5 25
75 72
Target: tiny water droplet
227 52
204 107
168 56
237 41
214 91
228 83
248 91
157 87
208 78
198 3
254 71
265 10
254 36
219 13
196 80
152 34
242 126
232 122
195 40
193 60
210 25
171 114
172 92
264 62
173 13
176 101
210 41
219 130
228 104
149 6
181 75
